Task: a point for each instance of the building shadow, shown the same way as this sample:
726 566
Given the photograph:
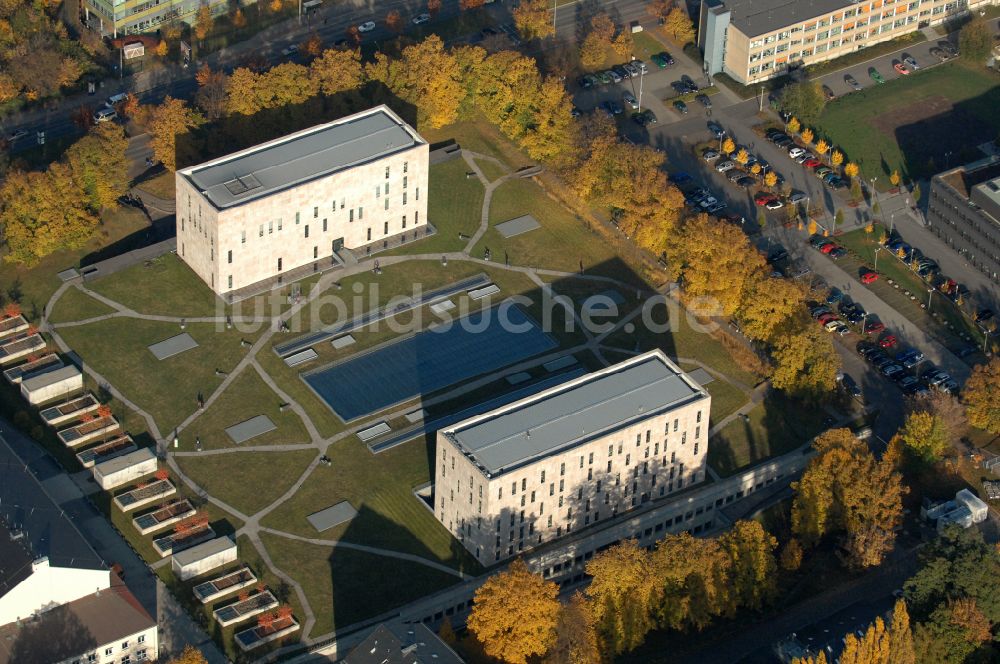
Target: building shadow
50 637
933 143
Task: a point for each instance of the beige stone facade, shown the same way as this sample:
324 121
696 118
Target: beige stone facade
586 478
239 244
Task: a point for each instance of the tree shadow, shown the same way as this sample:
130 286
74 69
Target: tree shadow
52 636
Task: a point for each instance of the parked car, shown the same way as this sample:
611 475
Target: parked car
784 142
901 68
853 82
948 48
811 162
888 341
822 170
681 107
877 77
704 101
708 154
837 253
735 174
603 77
827 248
632 69
873 327
662 60
630 100
105 115
828 93
420 19
290 50
891 369
834 296
611 107
910 62
746 181
795 152
621 71
17 135
646 117
726 165
869 277
762 198
614 76
716 129
797 196
367 26
774 204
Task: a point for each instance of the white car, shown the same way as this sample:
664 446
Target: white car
795 152
726 165
367 26
774 205
421 19
291 50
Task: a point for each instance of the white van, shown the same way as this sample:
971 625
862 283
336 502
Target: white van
105 115
116 99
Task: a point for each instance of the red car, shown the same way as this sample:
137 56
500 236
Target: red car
874 327
827 248
763 198
811 163
869 277
826 318
901 68
888 341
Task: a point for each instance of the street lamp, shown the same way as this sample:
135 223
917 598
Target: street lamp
877 249
947 159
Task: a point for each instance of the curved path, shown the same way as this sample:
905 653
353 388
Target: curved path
252 527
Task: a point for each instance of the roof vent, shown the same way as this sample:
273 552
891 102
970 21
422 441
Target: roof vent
242 184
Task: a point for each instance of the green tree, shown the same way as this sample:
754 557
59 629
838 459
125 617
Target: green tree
515 635
805 100
694 577
838 219
753 568
982 396
622 594
924 436
98 165
976 40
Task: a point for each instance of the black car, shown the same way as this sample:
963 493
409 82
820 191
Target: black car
716 129
704 101
621 71
850 386
746 181
984 314
865 347
584 82
838 252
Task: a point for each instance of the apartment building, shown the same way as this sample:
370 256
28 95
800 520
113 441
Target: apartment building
570 456
754 40
116 18
283 209
963 209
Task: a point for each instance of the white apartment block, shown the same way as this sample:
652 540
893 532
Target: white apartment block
572 455
282 209
754 40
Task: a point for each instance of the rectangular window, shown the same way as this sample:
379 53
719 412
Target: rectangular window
324 225
307 230
386 172
369 235
315 213
262 230
229 256
270 227
351 216
386 188
417 194
562 469
315 252
404 182
279 223
230 282
386 228
404 198
297 217
405 165
361 213
387 203
543 477
404 221
243 237
279 265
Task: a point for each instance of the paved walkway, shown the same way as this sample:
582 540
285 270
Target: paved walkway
252 528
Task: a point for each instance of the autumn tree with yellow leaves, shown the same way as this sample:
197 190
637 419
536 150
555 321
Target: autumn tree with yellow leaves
728 145
169 121
427 76
622 594
337 70
576 634
679 26
190 655
793 125
846 489
533 19
925 436
851 169
807 135
512 634
981 395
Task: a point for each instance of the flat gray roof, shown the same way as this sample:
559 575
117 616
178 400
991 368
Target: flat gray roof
300 157
759 17
204 550
574 412
50 378
117 464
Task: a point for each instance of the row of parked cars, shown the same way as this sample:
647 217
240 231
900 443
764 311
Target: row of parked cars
906 371
807 159
616 74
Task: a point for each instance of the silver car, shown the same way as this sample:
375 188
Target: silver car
726 165
630 100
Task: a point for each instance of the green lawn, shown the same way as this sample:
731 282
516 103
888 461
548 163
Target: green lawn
726 399
248 481
162 185
491 169
454 206
168 389
562 242
773 427
380 487
345 586
163 286
75 305
478 136
247 396
903 124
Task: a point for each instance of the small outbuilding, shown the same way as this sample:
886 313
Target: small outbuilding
52 385
124 469
203 558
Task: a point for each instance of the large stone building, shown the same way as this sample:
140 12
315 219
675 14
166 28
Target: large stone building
283 209
570 456
122 17
754 40
964 210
